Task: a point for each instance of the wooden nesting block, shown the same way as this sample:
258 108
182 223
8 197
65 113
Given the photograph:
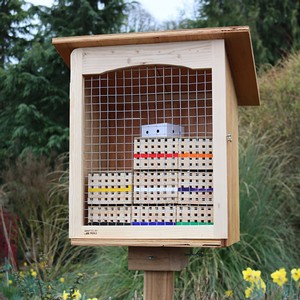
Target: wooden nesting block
195 188
144 214
194 214
109 215
155 153
155 187
195 154
110 188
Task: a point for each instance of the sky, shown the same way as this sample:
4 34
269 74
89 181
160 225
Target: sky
161 10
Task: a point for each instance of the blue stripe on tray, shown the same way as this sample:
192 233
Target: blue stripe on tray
191 189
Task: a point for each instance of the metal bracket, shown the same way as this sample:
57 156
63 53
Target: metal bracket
229 137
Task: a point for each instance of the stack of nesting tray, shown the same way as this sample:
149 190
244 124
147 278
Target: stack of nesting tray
172 184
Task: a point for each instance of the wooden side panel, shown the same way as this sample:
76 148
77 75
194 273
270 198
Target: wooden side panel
219 140
76 181
232 160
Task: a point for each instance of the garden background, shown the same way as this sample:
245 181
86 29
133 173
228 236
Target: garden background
34 118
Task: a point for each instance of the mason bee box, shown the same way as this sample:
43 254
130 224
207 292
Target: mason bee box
154 135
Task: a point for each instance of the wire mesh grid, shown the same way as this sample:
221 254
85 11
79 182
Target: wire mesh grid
148 146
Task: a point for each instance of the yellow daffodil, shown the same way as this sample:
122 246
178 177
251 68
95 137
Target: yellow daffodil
263 286
296 274
76 295
248 292
229 294
25 264
252 276
22 274
61 279
279 277
65 295
33 273
10 282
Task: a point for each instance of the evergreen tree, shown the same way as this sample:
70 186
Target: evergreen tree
83 17
275 25
14 20
34 93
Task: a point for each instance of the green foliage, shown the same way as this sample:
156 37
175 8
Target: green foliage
14 30
29 285
34 94
275 25
74 17
279 115
43 220
110 277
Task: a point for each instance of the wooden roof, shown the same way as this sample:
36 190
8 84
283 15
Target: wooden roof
237 42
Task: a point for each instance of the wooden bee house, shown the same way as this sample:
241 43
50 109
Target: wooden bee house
154 135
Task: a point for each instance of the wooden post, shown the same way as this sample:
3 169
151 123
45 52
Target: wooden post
158 264
158 285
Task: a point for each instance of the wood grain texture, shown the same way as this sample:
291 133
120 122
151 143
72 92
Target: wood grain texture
219 141
205 243
237 42
157 258
232 160
76 185
158 285
98 60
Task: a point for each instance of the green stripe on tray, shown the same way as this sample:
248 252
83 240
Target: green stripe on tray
193 223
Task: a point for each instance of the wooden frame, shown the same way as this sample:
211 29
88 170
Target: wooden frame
195 49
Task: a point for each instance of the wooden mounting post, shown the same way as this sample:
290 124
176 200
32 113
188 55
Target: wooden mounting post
158 264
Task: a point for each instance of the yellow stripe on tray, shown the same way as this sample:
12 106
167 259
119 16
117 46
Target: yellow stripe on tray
110 189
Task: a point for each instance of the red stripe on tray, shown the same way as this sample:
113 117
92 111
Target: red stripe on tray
156 155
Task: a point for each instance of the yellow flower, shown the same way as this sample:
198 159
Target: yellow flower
76 295
65 295
295 274
9 281
22 274
92 299
25 264
33 273
263 286
248 292
279 277
229 294
61 279
251 275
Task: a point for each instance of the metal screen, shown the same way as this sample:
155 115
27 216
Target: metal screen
148 147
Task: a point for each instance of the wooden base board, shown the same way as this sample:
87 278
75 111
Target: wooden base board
213 243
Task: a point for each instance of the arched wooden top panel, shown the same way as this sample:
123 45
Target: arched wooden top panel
193 55
153 78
